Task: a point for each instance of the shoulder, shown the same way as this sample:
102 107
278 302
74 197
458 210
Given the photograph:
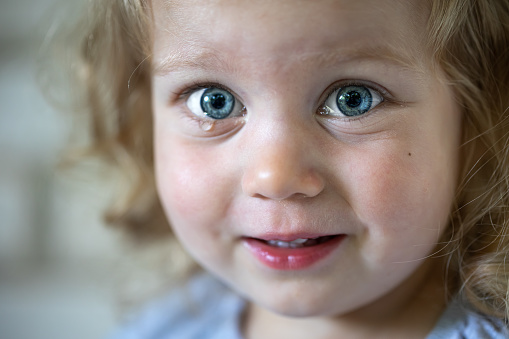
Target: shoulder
459 321
204 308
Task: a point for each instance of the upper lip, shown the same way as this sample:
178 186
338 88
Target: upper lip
289 222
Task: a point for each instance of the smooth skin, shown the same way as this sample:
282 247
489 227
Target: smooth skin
278 165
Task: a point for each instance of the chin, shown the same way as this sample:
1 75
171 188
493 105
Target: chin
296 308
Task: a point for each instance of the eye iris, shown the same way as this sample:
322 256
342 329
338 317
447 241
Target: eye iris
354 100
217 103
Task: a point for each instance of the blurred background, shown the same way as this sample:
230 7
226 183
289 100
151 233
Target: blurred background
56 256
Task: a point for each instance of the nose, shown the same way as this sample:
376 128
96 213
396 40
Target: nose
282 165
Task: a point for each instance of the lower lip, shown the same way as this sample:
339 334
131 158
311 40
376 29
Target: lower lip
291 258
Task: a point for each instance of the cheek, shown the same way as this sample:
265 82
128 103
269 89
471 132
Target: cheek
179 186
186 177
402 202
383 185
193 189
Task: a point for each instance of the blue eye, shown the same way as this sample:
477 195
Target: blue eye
352 101
213 102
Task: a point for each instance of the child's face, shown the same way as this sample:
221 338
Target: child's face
246 151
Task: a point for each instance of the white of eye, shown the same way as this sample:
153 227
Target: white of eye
227 104
194 102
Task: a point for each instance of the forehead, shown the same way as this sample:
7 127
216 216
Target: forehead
286 29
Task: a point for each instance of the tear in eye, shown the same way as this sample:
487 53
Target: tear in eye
213 102
351 101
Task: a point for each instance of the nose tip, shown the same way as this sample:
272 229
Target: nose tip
278 182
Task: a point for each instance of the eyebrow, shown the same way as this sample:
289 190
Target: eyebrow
207 59
204 59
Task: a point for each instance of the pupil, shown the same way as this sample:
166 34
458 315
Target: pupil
353 99
218 101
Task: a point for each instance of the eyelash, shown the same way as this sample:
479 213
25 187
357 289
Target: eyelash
183 94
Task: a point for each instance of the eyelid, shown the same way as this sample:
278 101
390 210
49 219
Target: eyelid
386 95
186 91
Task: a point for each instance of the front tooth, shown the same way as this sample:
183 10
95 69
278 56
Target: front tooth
283 244
286 244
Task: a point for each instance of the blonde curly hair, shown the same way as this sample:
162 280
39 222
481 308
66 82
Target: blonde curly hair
469 40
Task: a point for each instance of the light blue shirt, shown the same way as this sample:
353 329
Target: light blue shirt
206 309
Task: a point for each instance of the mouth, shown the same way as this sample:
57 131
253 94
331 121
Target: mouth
292 253
299 242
